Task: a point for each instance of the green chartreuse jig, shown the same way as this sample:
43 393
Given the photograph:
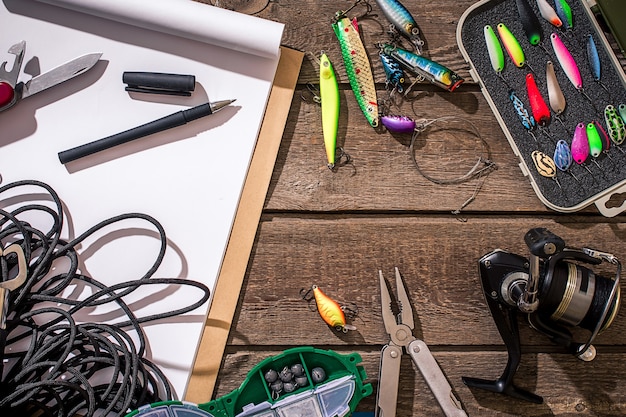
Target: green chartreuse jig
329 92
511 45
357 65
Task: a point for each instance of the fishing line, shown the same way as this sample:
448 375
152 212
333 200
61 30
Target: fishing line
54 361
481 168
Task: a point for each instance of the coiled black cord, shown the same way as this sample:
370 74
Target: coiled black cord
52 363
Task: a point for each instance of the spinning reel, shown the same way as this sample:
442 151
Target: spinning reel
555 290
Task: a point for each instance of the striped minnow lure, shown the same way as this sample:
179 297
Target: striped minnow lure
424 67
402 20
357 66
329 92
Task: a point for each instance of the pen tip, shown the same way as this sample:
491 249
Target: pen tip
217 105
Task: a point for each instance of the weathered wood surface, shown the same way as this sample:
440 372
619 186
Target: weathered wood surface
336 230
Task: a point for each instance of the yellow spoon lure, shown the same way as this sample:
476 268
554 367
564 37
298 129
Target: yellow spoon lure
329 92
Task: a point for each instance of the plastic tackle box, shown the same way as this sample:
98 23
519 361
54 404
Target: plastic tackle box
599 180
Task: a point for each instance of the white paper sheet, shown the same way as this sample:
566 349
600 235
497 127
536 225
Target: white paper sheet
189 178
189 19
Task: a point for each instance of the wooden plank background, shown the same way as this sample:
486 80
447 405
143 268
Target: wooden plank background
337 229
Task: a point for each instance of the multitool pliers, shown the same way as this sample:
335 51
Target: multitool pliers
400 330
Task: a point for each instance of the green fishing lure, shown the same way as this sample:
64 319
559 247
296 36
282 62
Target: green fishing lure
329 91
357 65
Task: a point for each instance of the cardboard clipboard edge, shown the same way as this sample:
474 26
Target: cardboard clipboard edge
230 280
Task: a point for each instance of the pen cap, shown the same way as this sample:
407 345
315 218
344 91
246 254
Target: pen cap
159 83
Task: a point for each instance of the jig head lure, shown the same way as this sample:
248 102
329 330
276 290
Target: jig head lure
424 68
402 20
615 124
540 110
330 311
329 92
357 65
393 73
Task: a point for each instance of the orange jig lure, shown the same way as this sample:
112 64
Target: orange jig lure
330 311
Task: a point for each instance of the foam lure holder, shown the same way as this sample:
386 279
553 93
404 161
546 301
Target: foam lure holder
599 179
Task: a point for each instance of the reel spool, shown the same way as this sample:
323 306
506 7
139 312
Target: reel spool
556 290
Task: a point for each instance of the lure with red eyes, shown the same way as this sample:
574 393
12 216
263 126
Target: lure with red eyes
538 106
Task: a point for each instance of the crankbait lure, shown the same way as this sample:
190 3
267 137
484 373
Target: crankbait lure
622 111
357 66
580 144
564 11
527 120
424 68
548 13
330 311
615 124
393 73
594 62
402 20
530 23
496 55
555 95
398 124
329 92
511 45
538 106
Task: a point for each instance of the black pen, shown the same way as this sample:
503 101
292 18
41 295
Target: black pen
173 120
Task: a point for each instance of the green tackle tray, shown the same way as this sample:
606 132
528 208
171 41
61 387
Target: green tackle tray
602 180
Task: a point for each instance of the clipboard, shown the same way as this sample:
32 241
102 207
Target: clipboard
230 279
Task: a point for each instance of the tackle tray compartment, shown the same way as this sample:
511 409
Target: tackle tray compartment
607 176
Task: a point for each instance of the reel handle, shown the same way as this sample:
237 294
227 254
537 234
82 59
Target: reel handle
543 243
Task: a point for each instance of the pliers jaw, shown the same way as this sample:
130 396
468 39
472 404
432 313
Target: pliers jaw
9 90
400 326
